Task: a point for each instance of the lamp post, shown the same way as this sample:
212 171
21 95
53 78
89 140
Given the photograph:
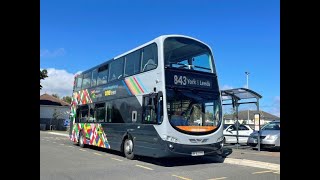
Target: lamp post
247 73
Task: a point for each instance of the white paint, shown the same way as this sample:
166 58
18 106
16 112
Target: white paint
144 167
257 164
116 159
59 134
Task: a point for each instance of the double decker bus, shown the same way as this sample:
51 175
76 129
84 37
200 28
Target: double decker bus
160 99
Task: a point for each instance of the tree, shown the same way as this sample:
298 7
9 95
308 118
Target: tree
43 74
55 95
67 99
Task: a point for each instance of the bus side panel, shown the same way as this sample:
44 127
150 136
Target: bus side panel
115 133
147 142
145 138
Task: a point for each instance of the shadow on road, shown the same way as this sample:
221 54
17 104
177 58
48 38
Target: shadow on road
171 162
267 150
250 148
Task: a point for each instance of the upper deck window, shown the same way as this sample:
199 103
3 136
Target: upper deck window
94 78
86 80
102 75
149 57
78 82
116 69
132 63
189 54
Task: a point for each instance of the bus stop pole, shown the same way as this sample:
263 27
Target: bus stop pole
259 126
237 122
237 126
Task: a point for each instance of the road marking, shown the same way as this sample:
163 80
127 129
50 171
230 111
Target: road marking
82 150
116 159
71 146
144 167
260 172
276 172
257 164
218 178
98 154
59 134
62 144
181 177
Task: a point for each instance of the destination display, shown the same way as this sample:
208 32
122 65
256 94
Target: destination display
185 79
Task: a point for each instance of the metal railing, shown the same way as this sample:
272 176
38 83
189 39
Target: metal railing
238 144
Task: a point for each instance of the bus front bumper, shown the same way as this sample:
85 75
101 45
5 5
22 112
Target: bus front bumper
174 149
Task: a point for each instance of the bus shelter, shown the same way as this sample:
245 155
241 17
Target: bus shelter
236 97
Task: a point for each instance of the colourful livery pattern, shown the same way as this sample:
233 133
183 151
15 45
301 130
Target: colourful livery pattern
82 97
93 133
135 85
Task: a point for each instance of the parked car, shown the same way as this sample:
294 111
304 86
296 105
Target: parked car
243 130
270 136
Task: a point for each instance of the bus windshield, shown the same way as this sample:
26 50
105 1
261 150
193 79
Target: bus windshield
193 112
184 53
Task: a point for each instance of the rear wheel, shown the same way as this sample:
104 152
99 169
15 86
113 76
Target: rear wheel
128 148
81 144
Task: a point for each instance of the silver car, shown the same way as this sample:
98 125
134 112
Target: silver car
270 136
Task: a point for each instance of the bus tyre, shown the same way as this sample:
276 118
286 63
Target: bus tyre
128 149
81 144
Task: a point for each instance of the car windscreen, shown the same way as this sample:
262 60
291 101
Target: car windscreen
271 126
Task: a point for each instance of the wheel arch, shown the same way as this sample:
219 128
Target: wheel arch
124 137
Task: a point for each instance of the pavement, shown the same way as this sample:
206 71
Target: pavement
237 156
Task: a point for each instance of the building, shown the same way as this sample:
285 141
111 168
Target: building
53 112
247 117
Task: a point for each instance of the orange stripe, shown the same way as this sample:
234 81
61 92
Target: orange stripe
130 87
197 128
138 84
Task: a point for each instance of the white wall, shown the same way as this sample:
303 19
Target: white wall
47 111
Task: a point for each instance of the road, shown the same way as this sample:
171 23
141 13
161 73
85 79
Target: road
62 159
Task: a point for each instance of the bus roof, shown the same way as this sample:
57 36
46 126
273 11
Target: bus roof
157 39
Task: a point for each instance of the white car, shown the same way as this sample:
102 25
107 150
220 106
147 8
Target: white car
243 130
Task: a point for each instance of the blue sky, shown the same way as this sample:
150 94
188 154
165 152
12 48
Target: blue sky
244 36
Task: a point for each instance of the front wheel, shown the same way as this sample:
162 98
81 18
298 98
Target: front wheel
128 149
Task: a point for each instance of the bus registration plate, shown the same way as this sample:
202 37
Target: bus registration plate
197 153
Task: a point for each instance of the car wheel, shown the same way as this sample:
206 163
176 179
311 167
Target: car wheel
128 148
